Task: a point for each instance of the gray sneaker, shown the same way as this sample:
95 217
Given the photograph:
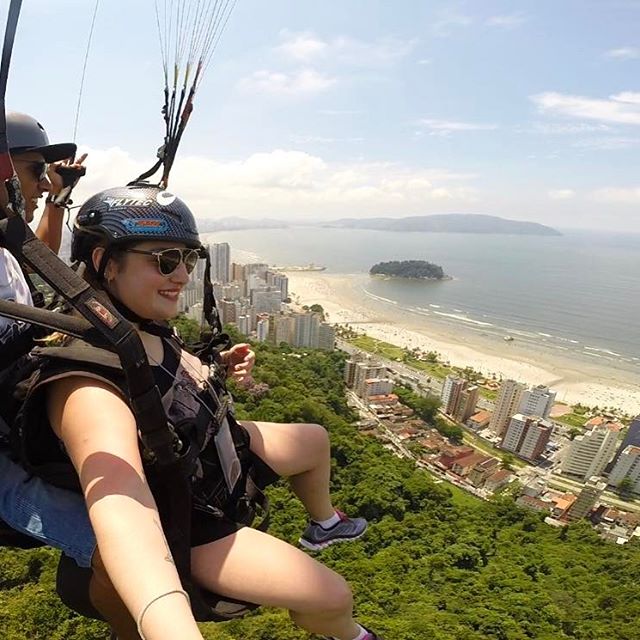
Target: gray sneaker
315 538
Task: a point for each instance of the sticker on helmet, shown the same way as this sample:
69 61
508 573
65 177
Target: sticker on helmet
116 203
164 198
147 225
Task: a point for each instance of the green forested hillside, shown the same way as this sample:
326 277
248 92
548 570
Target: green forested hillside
429 567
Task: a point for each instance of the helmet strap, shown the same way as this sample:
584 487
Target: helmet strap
210 310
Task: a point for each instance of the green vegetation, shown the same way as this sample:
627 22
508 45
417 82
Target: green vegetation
576 419
436 563
427 363
425 407
509 461
417 269
187 328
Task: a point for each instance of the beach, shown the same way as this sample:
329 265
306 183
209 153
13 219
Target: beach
576 380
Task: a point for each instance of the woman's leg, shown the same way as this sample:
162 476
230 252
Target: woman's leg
302 453
256 567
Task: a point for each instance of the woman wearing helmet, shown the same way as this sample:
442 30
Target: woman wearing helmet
139 244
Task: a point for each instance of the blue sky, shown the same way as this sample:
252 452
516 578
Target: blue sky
357 108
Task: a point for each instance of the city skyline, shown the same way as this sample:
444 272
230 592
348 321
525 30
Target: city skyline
356 109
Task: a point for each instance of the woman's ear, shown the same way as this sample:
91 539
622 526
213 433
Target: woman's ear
96 257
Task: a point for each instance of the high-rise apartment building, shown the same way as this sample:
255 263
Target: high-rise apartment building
307 329
627 466
267 300
232 291
467 402
364 371
283 329
279 281
244 324
586 499
536 439
590 452
506 405
350 368
258 269
227 311
527 436
220 262
537 401
452 389
376 387
237 272
326 337
631 438
262 329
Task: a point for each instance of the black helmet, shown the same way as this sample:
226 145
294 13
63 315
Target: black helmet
124 215
25 133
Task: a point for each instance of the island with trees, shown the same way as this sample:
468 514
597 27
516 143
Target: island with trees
413 269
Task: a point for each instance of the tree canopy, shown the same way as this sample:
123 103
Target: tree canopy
432 566
408 269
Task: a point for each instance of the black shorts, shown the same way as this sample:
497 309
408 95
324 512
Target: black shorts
208 527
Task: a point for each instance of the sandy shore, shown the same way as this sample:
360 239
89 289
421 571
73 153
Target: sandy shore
574 380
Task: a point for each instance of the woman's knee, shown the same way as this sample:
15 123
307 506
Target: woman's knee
337 599
316 436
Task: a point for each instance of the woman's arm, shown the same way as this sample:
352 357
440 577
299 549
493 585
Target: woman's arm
100 435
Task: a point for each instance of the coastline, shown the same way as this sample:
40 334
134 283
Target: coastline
575 380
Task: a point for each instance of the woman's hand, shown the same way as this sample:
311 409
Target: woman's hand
240 360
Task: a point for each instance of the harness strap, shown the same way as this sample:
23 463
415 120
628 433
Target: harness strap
113 329
76 327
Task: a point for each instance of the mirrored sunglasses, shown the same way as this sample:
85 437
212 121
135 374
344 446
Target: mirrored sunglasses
170 259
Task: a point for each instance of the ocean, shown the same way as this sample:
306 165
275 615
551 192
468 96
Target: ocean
576 294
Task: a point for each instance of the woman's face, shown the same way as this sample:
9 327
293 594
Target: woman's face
136 281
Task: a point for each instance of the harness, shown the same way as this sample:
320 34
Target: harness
201 467
103 328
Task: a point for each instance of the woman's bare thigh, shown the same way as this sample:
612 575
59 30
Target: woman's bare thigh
254 566
289 448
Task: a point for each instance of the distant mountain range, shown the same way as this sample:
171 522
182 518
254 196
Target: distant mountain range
438 223
448 223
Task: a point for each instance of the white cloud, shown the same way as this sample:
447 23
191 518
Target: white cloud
621 108
446 127
448 21
425 61
510 21
289 183
629 97
302 46
561 194
623 53
568 128
299 83
607 143
307 47
617 195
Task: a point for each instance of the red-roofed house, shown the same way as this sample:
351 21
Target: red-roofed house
497 480
464 466
450 454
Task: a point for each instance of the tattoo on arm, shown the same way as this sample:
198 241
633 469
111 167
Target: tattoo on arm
168 557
